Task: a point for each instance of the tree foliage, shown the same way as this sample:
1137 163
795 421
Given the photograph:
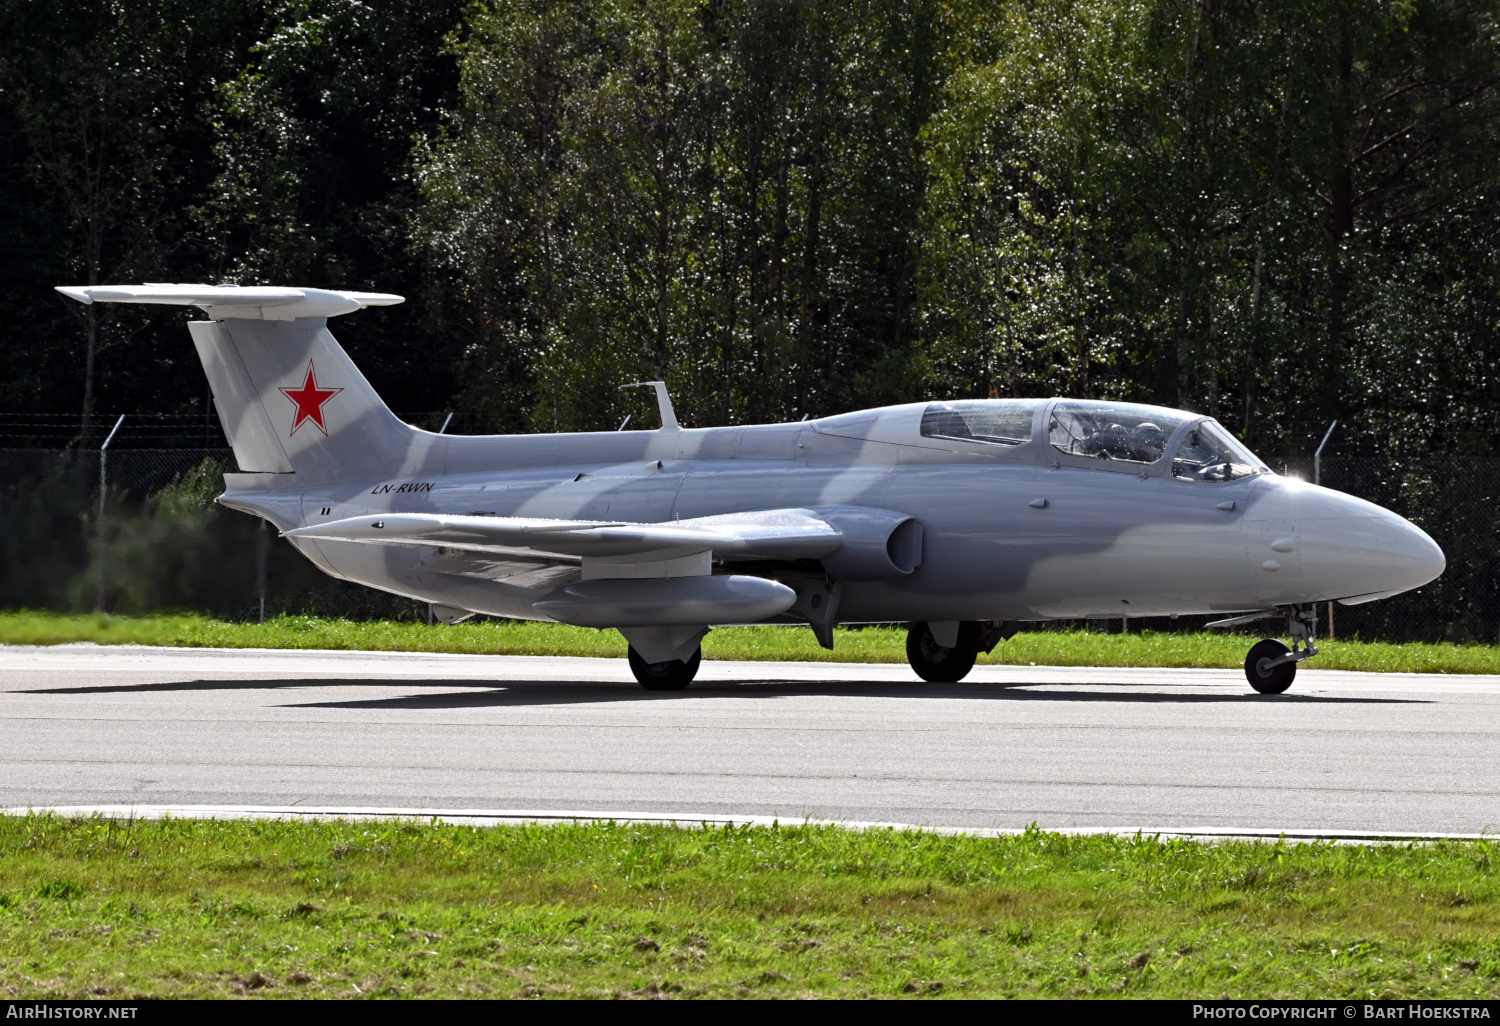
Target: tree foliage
1277 212
723 196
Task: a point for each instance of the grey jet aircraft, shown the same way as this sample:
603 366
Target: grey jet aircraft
963 519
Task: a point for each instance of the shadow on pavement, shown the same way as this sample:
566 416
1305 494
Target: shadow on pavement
485 693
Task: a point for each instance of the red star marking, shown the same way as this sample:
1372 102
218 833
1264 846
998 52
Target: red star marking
310 399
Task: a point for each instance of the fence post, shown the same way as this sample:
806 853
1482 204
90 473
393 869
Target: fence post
260 569
103 490
446 421
1318 480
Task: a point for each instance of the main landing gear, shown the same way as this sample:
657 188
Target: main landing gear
672 675
944 653
1271 666
937 663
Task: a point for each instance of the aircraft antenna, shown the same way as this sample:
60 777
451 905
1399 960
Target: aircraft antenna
1318 456
103 490
663 402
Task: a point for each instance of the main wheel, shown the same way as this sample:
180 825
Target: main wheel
936 664
1269 680
672 675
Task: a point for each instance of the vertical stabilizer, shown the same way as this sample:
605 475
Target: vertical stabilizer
307 399
256 444
289 397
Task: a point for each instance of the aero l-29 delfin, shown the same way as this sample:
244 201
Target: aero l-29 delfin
963 519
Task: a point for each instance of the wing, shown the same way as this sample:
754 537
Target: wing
510 570
772 534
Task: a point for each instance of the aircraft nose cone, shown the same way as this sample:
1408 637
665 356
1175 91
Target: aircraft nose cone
1366 557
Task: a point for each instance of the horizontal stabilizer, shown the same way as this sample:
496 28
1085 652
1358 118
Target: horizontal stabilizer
777 534
249 302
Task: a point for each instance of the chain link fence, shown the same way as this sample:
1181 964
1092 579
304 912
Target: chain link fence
164 545
1452 498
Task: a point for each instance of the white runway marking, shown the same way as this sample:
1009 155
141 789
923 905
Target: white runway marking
1183 752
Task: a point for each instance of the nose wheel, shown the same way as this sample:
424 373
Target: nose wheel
1266 670
1271 666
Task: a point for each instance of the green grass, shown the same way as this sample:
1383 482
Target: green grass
271 909
866 645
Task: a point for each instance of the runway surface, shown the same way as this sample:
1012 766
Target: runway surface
1182 750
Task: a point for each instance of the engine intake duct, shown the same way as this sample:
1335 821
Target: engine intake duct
667 601
878 545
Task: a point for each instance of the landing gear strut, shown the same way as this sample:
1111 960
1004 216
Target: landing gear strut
1271 666
672 675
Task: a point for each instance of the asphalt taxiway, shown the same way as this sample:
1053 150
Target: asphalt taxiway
1342 753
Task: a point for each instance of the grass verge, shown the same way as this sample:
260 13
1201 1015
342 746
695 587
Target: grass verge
92 908
858 645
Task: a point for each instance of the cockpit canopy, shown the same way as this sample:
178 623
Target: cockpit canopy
1126 432
999 421
1210 453
1113 431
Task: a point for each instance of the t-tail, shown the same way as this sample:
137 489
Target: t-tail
289 397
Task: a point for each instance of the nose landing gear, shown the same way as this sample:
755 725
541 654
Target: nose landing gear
1271 666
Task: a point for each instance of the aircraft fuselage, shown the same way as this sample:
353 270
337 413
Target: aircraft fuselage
1022 536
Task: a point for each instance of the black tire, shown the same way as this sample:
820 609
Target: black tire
1269 680
672 675
936 664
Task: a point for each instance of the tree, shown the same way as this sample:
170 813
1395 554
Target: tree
1017 264
99 111
311 144
1395 120
724 195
